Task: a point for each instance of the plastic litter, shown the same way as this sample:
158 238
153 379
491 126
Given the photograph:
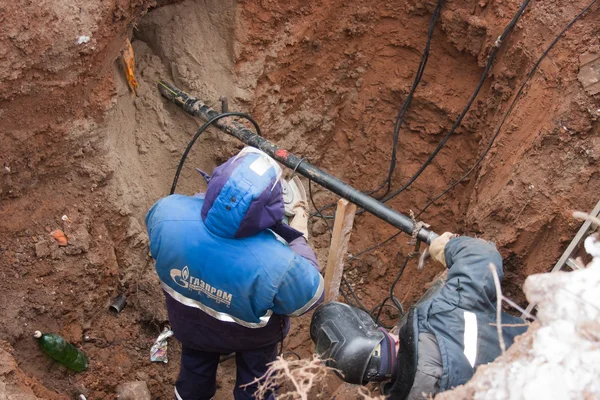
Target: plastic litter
62 351
158 352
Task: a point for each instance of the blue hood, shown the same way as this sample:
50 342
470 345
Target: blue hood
244 196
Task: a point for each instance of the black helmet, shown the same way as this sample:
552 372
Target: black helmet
348 340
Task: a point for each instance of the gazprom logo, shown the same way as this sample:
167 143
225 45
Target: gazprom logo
183 278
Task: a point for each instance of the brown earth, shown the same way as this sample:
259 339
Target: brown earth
325 80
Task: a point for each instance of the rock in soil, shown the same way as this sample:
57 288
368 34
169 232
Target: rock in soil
137 390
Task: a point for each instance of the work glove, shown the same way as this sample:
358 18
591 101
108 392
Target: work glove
300 219
438 246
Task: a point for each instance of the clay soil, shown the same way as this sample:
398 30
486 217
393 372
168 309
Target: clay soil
325 79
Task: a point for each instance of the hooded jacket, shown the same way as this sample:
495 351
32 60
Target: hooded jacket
451 331
229 281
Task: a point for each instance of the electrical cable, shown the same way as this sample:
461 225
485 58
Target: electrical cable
457 123
374 247
510 107
466 109
200 131
402 113
488 147
430 158
356 302
403 109
391 296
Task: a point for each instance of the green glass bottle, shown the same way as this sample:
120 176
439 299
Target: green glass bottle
62 351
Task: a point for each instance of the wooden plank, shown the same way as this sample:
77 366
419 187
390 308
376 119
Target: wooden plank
342 227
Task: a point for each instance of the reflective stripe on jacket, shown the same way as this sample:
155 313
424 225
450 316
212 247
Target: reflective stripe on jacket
461 316
243 280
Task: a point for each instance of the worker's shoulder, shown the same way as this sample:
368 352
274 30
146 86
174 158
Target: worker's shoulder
176 207
266 244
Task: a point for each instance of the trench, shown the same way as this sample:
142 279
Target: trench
325 80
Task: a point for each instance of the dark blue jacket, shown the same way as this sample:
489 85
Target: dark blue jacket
462 317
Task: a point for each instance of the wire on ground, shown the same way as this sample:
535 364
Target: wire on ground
510 108
457 123
403 109
355 301
496 133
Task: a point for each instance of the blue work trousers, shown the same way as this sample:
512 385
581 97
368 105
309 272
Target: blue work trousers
198 373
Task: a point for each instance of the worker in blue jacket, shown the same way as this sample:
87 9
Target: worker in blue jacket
441 340
232 272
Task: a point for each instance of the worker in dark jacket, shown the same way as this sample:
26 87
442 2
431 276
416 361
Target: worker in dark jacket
232 272
441 340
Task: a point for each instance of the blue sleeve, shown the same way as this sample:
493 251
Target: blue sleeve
152 218
301 289
300 246
468 261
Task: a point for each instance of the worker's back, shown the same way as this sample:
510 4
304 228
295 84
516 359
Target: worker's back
227 277
233 280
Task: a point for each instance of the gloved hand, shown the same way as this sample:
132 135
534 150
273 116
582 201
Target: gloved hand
438 245
300 219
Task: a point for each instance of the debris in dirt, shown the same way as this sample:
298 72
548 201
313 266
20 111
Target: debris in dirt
81 397
83 39
158 352
79 241
65 218
318 228
14 384
62 351
136 390
42 249
135 232
589 72
60 237
118 303
129 65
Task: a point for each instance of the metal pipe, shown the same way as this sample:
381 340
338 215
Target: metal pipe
196 108
118 303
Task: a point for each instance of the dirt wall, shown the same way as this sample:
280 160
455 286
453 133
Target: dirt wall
325 80
329 79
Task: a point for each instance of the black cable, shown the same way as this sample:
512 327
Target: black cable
402 113
403 109
510 107
374 247
200 131
391 296
457 123
488 147
379 307
356 302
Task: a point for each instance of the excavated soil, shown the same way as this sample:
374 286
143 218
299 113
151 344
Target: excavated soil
325 80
